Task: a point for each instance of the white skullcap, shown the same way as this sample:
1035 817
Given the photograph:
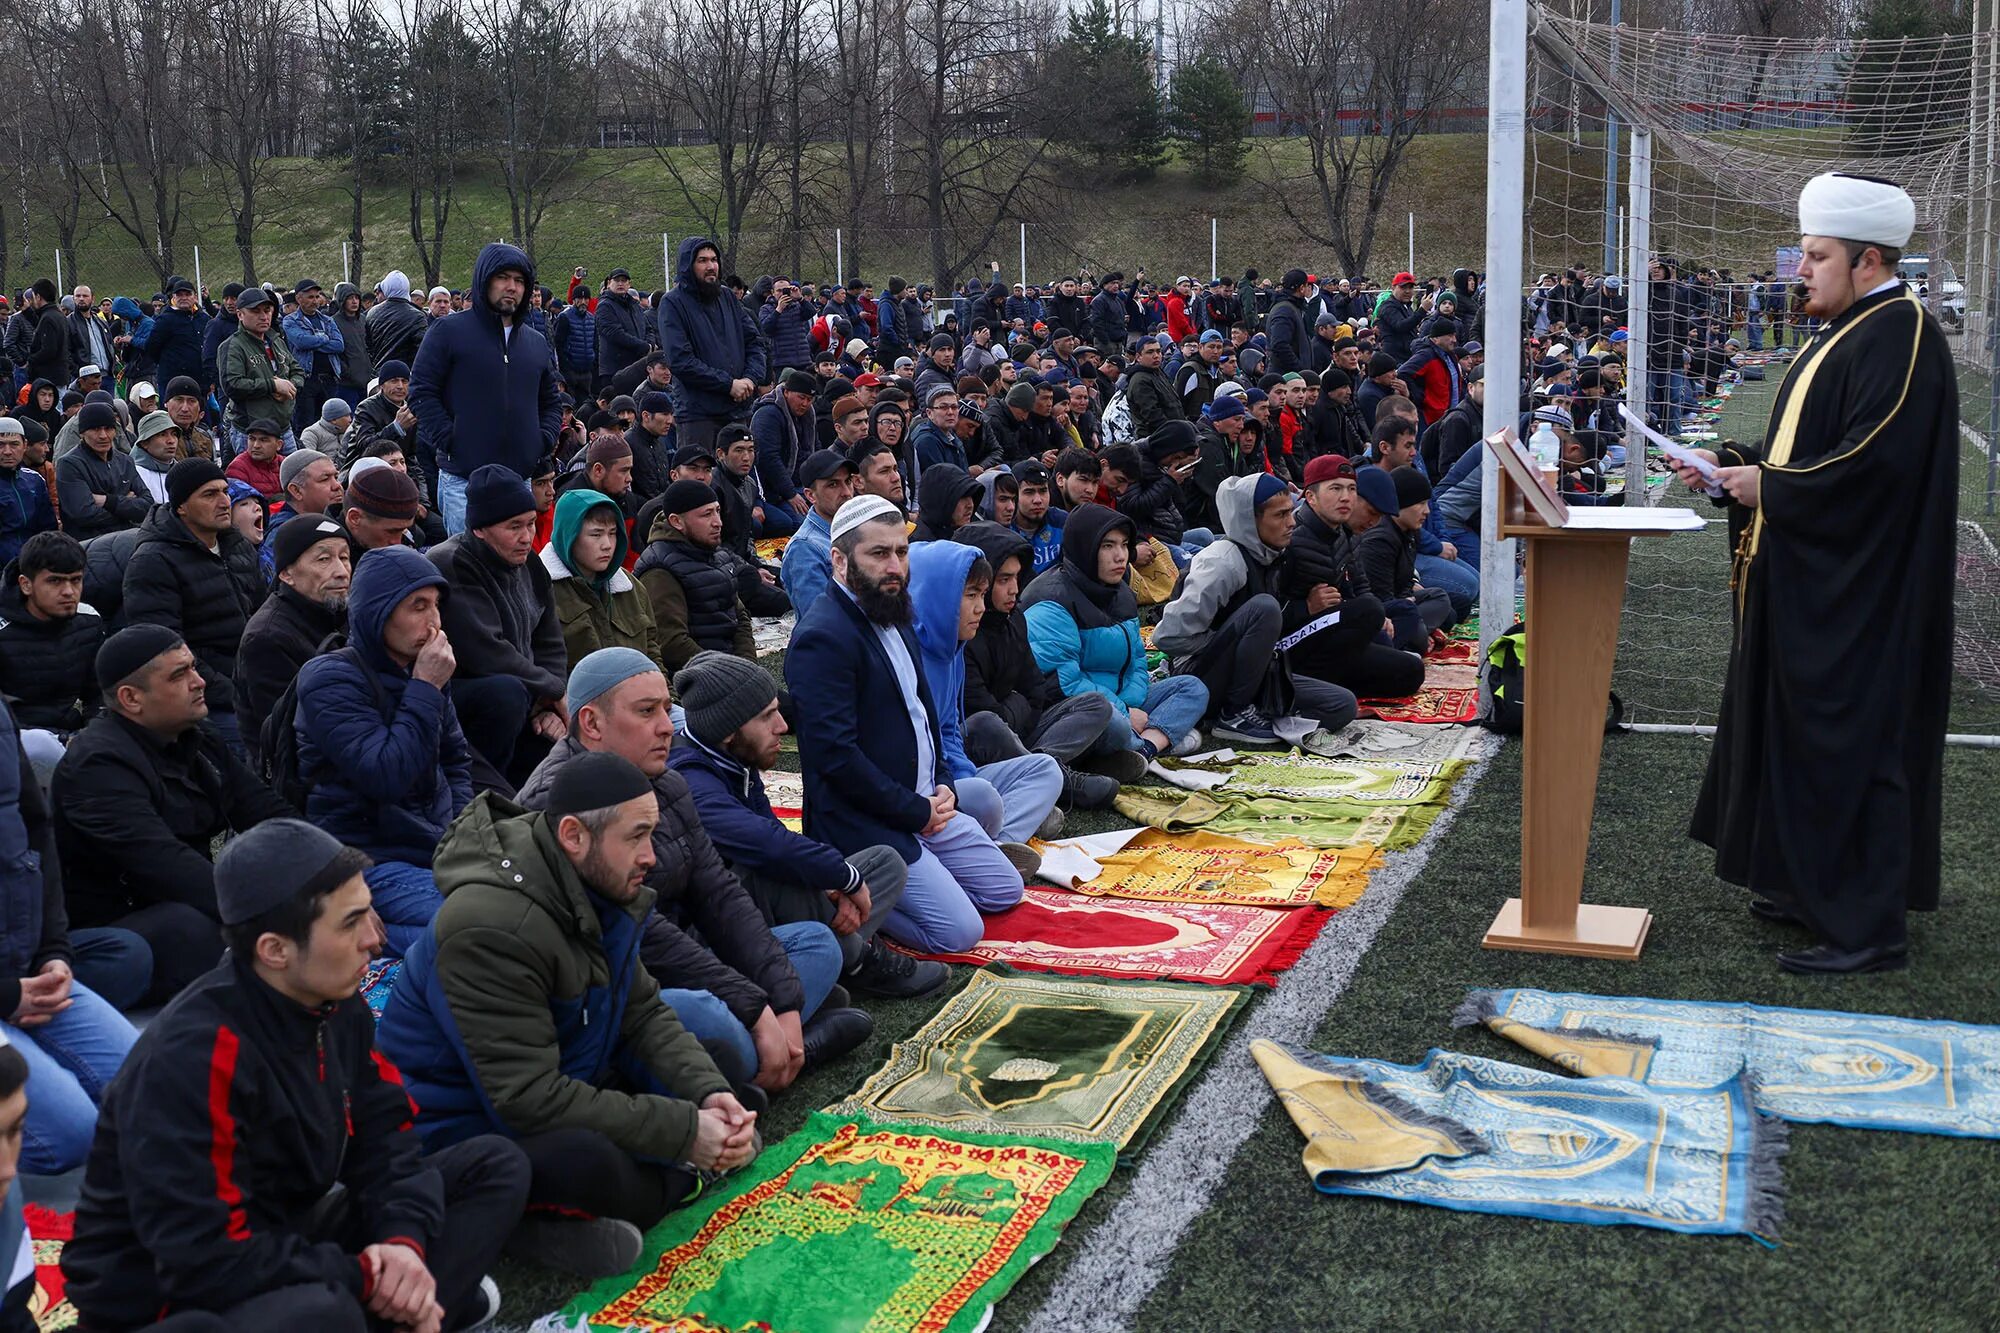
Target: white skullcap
863 509
1857 208
364 465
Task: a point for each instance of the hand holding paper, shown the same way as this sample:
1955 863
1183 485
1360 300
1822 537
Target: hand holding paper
1694 460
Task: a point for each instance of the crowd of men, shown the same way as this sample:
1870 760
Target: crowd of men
441 607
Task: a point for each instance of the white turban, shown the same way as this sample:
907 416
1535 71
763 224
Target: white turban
1857 208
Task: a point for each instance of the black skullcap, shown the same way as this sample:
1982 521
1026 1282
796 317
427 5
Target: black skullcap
801 381
130 649
686 495
183 386
294 538
593 781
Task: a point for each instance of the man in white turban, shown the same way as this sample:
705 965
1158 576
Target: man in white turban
1824 784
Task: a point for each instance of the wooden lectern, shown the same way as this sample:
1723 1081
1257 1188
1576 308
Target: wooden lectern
1576 588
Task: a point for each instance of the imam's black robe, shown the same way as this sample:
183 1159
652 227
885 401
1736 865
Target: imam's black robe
1823 788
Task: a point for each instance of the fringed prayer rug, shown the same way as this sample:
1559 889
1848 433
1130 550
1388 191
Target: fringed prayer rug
379 982
1485 1137
1217 943
1427 705
1208 868
1453 652
1278 819
1867 1071
49 1231
1071 1058
849 1227
1362 781
1404 742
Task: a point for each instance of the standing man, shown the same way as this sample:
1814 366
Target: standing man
175 340
320 347
712 347
260 376
1821 801
484 383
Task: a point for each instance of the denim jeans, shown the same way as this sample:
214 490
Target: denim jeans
779 520
451 501
1458 580
1011 798
1174 705
116 964
815 955
1467 542
70 1060
406 898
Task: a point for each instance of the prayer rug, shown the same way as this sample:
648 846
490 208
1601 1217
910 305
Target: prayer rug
1217 943
1450 676
379 981
1867 1071
787 794
847 1227
1366 738
1456 704
1279 819
1453 651
1070 1058
48 1232
770 550
1486 1137
1206 868
1308 777
771 634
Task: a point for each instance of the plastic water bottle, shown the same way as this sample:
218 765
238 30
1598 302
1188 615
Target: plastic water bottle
1542 444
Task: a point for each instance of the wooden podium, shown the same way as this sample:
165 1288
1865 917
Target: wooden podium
1576 562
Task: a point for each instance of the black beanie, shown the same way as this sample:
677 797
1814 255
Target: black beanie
1412 487
188 476
686 495
96 416
1333 377
1381 364
593 781
130 649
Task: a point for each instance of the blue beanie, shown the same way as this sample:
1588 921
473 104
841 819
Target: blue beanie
1267 486
494 494
1375 486
603 670
1229 405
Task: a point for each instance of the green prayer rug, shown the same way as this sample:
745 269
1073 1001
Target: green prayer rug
851 1227
1322 823
1082 1060
1311 778
1868 1071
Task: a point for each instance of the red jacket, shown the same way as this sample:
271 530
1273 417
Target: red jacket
1179 327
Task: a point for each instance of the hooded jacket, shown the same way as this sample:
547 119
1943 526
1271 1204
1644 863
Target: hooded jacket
1286 332
1222 576
206 596
24 509
526 996
1001 674
937 588
233 1116
1085 631
938 494
382 752
1432 374
607 610
395 327
501 617
481 395
357 365
737 816
787 333
48 667
81 474
621 331
709 341
783 441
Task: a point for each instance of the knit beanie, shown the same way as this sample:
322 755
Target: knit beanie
248 878
1022 396
1381 364
381 491
296 462
1266 487
294 539
686 496
96 416
188 476
334 410
1412 487
182 386
392 370
1225 407
495 493
720 692
599 672
1333 377
607 449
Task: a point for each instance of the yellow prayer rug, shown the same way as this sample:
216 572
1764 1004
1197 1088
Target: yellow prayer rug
1208 868
851 1227
770 550
1073 1058
1278 819
1481 1136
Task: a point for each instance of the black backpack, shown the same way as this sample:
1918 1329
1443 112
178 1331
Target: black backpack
278 739
1506 673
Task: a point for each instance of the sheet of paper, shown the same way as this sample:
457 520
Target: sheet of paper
1678 452
1621 518
1189 779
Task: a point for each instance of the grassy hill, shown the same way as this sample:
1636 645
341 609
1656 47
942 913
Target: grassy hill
631 202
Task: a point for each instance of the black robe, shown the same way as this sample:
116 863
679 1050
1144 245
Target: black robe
1824 785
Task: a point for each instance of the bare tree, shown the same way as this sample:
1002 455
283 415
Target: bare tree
854 92
363 100
251 43
447 91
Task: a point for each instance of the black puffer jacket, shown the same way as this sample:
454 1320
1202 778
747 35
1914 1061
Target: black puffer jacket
693 595
104 561
705 931
205 596
1001 675
282 637
1385 561
938 494
1319 553
46 666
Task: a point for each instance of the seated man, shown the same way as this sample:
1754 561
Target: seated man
1355 650
1034 517
947 497
599 604
308 603
1394 506
1014 797
312 486
502 619
828 478
210 1198
387 768
1224 624
140 796
49 637
1152 499
25 508
871 745
695 603
876 472
382 506
794 877
258 464
526 1011
97 487
751 994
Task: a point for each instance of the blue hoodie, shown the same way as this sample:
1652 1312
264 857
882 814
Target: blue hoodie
937 587
387 765
708 344
480 396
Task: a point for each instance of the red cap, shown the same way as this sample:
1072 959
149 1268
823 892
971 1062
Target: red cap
1402 278
867 381
1328 467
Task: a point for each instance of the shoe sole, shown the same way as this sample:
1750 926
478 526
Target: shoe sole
1022 857
1896 964
1247 738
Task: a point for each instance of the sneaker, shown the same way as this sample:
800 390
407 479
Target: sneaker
1089 791
577 1244
1249 726
1050 827
1022 857
486 1307
1188 744
895 975
1126 766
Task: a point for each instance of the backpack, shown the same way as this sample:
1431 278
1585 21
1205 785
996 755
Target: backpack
1116 423
1506 673
278 739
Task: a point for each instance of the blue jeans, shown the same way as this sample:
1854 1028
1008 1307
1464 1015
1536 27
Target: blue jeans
1467 543
70 1060
1011 798
451 501
117 965
406 898
1458 580
1192 542
814 951
779 520
1753 328
1174 705
239 443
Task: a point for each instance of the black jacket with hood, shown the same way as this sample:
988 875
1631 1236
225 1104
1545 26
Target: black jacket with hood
938 494
709 340
1001 675
480 394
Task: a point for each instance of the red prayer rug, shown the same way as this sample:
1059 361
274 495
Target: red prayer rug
49 1231
1453 651
1427 705
1222 944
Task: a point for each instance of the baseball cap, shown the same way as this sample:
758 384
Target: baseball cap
821 464
1402 278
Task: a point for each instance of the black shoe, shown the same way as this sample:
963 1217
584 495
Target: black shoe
574 1244
752 1098
832 1033
1766 910
1825 959
1088 791
1128 766
894 975
837 998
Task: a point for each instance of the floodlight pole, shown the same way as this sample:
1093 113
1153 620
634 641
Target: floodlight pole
1638 306
1506 156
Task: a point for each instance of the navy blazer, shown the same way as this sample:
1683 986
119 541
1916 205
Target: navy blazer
856 744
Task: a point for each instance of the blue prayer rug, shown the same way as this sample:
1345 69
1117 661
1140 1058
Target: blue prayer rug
1867 1071
1480 1136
